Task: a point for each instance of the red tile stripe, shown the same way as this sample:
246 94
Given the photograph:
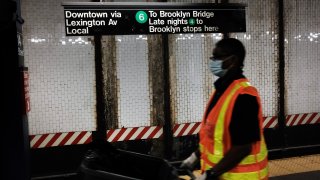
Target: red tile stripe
270 122
31 137
110 132
54 138
131 133
41 139
192 131
65 139
176 126
182 132
136 133
144 131
311 118
293 120
59 139
299 119
154 132
88 140
119 135
79 137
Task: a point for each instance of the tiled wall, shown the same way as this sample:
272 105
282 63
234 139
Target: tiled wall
62 76
133 81
191 80
190 77
260 40
302 31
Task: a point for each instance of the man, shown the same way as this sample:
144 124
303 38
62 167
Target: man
232 145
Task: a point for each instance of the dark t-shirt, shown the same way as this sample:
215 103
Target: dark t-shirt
244 125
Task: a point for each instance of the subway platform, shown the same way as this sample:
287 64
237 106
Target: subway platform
76 72
293 168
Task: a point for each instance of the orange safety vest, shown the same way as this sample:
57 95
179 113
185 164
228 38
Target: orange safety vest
215 140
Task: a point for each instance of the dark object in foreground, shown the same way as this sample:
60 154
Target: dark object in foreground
104 162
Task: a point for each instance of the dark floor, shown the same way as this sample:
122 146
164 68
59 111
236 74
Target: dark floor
294 168
313 175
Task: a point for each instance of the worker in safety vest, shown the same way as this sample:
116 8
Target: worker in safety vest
232 146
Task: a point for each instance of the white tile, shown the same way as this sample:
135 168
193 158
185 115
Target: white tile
62 77
302 56
133 75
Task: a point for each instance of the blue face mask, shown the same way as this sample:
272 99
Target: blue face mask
216 67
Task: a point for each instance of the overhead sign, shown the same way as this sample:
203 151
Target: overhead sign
82 19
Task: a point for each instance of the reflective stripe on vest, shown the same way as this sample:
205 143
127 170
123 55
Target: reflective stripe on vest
250 159
219 128
261 174
253 166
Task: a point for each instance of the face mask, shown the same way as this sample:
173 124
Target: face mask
216 67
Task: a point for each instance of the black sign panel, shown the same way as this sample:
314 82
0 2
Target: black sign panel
82 19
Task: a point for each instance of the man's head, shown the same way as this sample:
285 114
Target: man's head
228 54
231 51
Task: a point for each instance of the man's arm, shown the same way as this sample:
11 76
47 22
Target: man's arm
232 158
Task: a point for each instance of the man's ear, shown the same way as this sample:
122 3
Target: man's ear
230 62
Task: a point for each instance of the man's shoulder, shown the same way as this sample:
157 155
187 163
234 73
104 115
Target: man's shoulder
250 90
